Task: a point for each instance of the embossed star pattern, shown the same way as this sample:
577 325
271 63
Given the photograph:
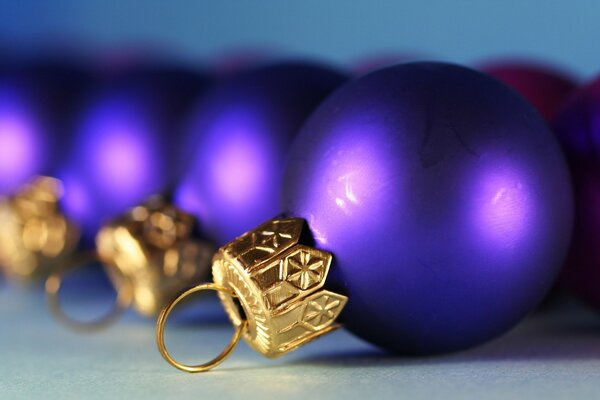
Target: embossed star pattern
321 310
270 239
303 270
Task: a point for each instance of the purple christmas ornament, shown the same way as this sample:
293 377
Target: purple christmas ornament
239 134
578 128
544 87
23 139
444 199
127 146
38 98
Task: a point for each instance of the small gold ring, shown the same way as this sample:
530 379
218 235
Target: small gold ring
160 331
54 283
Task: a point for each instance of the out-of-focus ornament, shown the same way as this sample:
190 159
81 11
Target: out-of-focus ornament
39 99
578 127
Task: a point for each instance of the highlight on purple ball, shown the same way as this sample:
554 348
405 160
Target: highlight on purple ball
504 210
22 139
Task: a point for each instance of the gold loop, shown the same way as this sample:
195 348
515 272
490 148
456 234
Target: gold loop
53 285
160 331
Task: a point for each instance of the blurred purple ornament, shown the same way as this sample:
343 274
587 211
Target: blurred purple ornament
38 98
239 135
22 140
578 128
546 88
127 145
444 198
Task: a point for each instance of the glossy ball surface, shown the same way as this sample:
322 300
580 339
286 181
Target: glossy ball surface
239 137
578 128
444 198
544 87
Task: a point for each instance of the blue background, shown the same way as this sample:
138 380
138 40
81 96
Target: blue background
563 32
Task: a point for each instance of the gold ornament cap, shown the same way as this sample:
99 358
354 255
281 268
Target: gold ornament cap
35 236
152 250
149 254
270 282
279 284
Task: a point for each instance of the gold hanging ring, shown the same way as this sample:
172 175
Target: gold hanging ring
53 286
166 311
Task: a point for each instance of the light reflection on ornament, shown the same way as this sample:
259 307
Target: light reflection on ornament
121 160
240 162
120 152
232 170
117 162
503 208
352 182
348 180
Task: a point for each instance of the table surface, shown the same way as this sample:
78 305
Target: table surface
554 354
